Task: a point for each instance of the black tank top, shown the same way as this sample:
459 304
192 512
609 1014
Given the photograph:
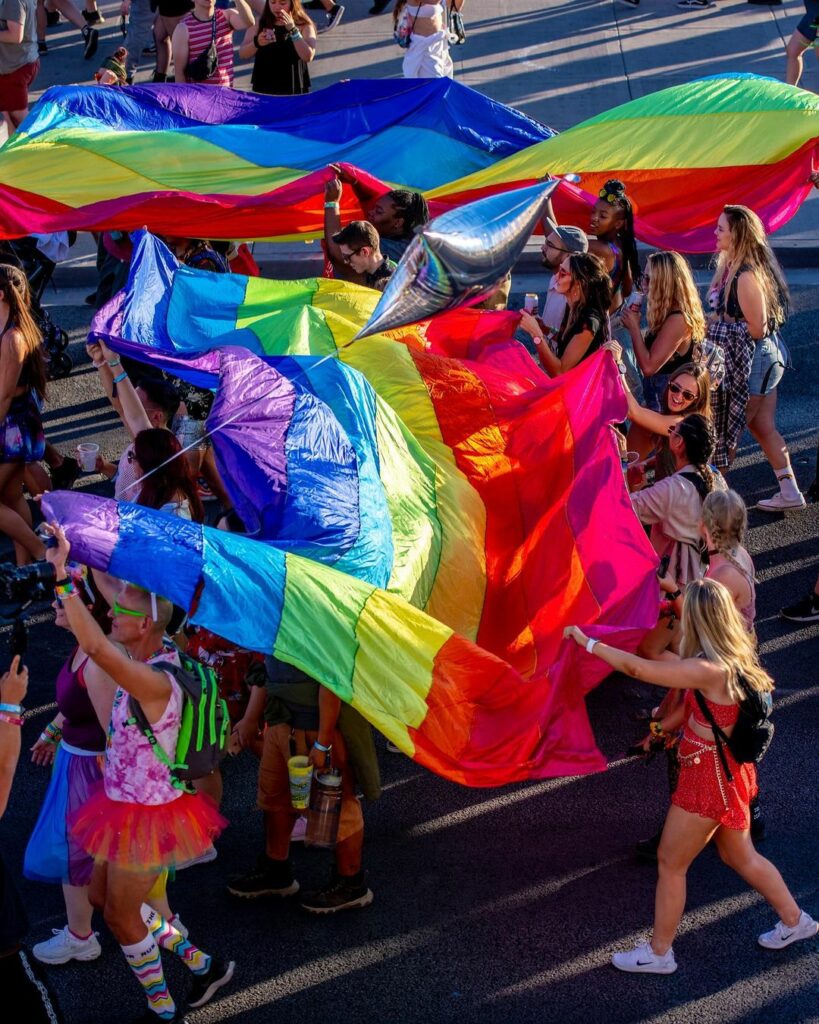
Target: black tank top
679 358
278 70
26 370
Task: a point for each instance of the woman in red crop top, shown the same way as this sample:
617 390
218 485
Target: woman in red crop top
716 651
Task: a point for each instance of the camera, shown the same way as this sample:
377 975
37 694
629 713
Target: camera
21 585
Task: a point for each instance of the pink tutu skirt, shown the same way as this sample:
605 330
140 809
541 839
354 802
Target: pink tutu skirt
146 838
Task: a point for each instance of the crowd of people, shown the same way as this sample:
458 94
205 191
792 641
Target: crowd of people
117 820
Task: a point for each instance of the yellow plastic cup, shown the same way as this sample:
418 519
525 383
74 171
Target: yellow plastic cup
301 777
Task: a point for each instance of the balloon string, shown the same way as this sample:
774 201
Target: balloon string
239 412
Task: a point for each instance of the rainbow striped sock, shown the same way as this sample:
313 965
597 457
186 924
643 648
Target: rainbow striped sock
169 938
145 961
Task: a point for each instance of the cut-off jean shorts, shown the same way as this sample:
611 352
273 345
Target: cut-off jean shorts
771 359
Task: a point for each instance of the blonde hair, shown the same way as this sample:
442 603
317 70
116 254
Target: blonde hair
750 249
712 626
672 288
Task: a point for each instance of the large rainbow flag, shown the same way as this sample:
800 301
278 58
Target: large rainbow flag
498 494
191 161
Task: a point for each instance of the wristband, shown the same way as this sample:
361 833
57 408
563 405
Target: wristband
322 748
540 341
331 205
63 581
120 377
51 734
99 365
12 709
295 35
10 719
65 590
590 645
114 362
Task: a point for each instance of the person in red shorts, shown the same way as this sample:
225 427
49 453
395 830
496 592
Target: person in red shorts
718 668
19 63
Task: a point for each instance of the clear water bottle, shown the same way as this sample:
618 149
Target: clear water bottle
324 811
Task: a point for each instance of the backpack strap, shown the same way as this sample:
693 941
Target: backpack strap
698 482
719 736
137 717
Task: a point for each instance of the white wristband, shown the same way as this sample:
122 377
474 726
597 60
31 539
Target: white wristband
590 645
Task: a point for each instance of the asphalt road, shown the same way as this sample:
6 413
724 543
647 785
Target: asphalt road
503 906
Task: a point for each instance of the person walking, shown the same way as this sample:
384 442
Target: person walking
718 667
803 38
19 63
427 55
204 29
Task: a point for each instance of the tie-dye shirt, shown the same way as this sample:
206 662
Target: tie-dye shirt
133 772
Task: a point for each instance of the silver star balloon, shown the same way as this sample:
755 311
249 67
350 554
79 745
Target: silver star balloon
460 257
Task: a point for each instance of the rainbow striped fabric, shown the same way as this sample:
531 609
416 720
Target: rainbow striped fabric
499 494
187 161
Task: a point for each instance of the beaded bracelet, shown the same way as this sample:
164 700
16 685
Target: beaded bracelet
295 35
51 734
12 709
10 719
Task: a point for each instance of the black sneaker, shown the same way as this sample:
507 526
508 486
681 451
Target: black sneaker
646 849
334 16
340 894
93 17
806 610
52 18
205 986
271 878
64 475
92 39
42 48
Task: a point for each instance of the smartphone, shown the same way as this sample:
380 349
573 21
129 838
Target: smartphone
662 568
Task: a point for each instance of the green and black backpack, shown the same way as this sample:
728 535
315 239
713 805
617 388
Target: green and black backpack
203 729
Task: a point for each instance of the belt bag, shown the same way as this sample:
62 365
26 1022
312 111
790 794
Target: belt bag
201 68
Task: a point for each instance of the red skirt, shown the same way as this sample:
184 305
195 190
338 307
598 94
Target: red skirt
704 788
146 838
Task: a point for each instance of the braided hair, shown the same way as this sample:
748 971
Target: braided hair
726 519
411 206
698 440
614 193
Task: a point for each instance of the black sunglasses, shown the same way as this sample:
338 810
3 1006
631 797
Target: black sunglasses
347 256
675 389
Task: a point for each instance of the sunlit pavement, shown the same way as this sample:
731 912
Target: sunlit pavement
502 906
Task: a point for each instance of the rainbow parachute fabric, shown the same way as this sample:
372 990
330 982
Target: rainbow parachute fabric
186 162
484 510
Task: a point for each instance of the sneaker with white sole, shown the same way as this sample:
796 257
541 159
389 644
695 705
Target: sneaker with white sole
64 946
643 960
781 936
779 503
205 986
806 610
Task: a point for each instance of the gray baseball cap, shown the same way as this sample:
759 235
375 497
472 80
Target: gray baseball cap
573 239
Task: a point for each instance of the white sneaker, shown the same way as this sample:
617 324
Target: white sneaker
64 946
643 960
782 936
779 503
299 830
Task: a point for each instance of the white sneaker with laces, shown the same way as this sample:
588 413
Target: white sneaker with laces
64 946
782 936
779 503
643 960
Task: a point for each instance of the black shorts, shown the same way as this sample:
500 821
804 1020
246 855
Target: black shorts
808 25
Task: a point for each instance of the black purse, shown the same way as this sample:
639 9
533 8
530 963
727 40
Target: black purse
202 67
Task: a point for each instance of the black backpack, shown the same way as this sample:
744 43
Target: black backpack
752 733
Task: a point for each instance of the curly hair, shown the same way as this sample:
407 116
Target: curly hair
411 206
672 287
614 193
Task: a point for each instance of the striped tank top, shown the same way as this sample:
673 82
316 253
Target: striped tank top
200 34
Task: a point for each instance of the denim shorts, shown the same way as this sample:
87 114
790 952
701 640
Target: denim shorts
807 26
771 357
